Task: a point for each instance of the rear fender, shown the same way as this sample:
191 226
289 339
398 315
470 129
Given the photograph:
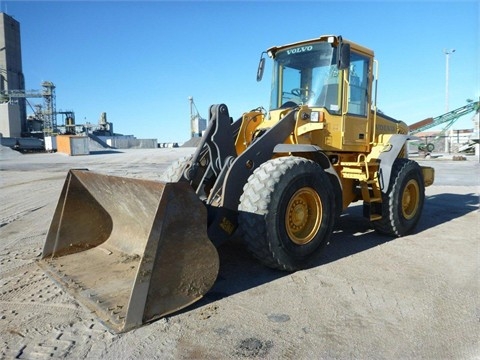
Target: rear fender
386 152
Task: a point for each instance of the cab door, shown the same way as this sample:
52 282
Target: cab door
355 114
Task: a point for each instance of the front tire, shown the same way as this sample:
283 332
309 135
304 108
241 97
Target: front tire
287 212
174 172
403 203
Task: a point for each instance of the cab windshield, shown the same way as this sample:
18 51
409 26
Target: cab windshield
306 75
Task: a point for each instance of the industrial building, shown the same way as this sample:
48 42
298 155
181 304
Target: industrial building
14 123
12 113
39 130
198 123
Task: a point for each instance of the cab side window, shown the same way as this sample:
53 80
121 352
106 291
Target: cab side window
358 79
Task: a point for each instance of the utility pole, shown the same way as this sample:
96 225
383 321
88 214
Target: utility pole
447 73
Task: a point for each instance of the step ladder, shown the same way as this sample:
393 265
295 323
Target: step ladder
365 172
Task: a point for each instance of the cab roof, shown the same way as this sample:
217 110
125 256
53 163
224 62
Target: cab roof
333 39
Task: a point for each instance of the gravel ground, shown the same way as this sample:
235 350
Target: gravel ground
370 297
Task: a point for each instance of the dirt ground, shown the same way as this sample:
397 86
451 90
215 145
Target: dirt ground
370 297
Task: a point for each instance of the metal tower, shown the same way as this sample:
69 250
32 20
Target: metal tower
49 109
47 113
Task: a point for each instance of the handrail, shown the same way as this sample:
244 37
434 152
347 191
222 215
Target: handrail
374 133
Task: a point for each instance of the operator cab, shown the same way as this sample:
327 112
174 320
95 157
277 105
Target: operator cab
310 73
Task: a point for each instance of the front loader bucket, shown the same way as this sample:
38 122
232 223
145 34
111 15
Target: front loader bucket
129 250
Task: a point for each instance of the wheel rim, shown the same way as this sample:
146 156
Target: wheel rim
410 198
303 216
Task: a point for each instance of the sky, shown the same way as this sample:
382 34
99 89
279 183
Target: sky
140 61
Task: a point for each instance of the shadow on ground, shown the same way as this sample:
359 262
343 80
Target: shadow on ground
105 152
239 271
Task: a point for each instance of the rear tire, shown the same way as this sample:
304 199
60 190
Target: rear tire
287 212
402 205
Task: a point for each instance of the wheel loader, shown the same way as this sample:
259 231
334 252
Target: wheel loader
132 251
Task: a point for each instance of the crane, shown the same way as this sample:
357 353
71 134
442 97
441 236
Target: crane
449 118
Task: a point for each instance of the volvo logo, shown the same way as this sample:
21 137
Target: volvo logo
300 49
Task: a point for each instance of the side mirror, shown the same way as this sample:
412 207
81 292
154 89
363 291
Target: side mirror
261 67
343 56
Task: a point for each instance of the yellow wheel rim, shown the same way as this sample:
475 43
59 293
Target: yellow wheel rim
410 198
303 216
